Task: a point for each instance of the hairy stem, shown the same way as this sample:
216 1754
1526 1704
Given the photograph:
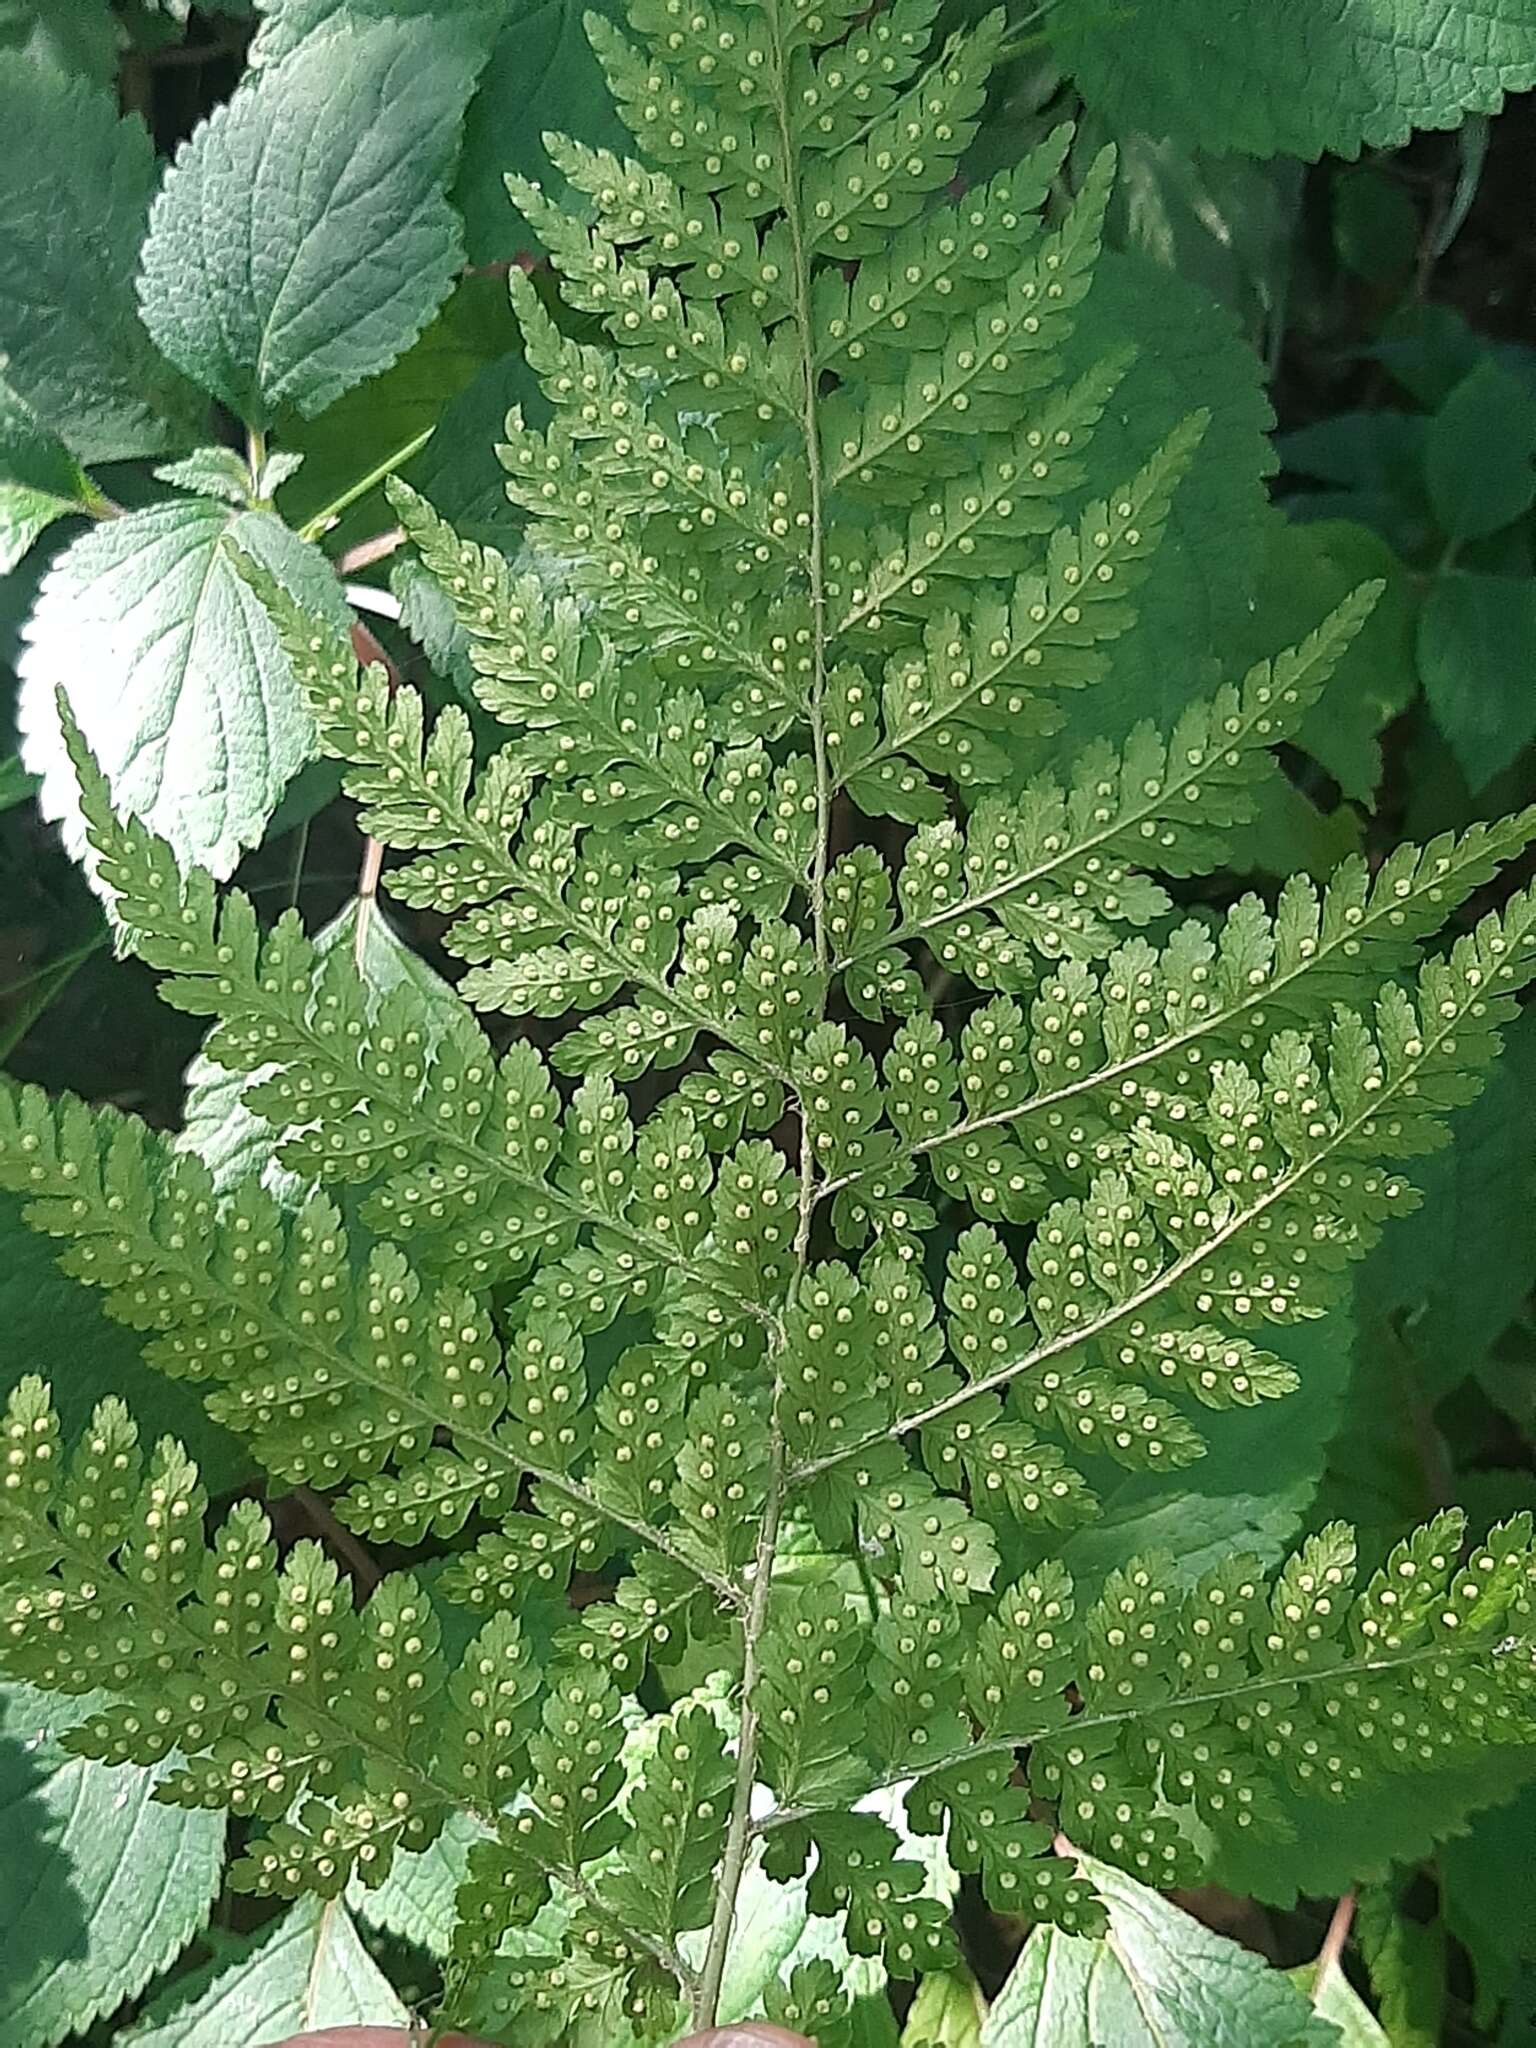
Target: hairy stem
738 1837
738 1840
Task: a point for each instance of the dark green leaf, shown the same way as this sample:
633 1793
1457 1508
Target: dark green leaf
1406 1959
1189 356
1248 1493
1339 1843
542 76
1222 222
1378 452
370 424
1375 225
1487 1883
79 38
16 785
1458 1269
1477 656
75 183
458 469
40 481
1480 453
1301 78
1308 569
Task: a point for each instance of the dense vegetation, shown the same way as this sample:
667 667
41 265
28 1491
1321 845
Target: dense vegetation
767 1191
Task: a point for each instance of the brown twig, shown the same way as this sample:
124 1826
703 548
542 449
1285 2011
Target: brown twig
173 56
1331 1954
377 548
341 1540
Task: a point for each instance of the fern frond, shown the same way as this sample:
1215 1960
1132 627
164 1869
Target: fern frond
1269 1189
336 1370
872 1192
286 1700
1206 1701
894 437
1106 1045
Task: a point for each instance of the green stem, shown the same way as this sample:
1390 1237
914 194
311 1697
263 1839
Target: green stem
327 516
738 1840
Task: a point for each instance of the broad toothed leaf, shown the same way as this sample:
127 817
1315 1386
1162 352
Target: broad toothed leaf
301 240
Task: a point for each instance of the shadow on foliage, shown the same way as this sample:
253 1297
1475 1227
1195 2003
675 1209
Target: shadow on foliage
42 1926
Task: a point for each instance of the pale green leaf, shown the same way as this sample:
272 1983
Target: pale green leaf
1298 79
174 674
416 1901
541 75
100 1887
216 472
302 241
1477 656
309 1970
1159 1980
1339 2002
75 184
947 2012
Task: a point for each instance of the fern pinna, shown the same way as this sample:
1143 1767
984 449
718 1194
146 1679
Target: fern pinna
902 1158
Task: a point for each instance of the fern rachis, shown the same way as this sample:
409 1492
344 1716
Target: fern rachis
815 537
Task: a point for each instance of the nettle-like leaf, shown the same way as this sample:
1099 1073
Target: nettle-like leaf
95 1870
174 671
75 189
309 1970
829 1211
1160 1978
1303 80
301 240
284 24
